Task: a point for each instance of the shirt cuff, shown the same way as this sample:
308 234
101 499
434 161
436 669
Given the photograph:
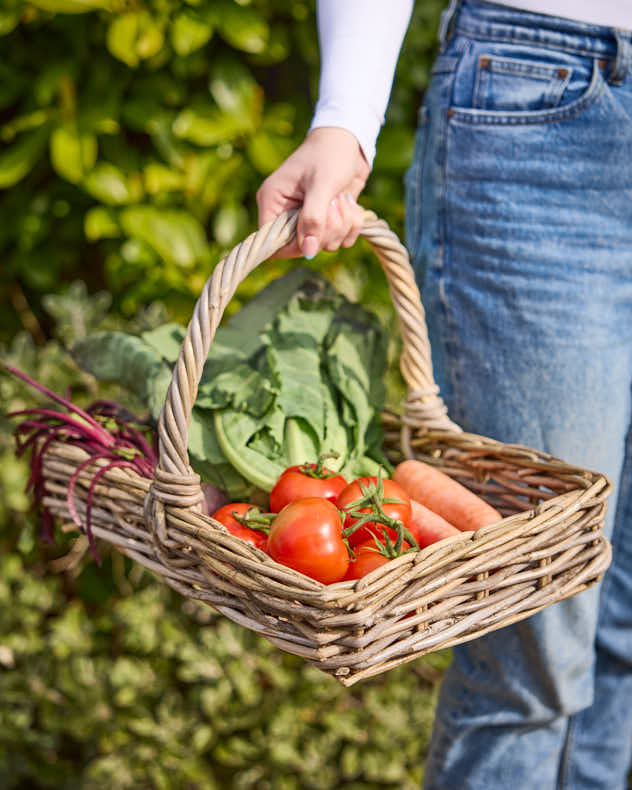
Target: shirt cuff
362 125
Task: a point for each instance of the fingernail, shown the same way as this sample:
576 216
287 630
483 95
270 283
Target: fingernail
349 197
310 247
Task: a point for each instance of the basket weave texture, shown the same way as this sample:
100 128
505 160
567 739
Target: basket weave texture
547 547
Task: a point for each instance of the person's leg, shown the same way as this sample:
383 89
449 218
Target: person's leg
599 738
520 223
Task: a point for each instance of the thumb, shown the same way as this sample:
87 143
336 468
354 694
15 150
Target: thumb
313 217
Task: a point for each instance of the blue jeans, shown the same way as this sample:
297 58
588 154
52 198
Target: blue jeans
519 221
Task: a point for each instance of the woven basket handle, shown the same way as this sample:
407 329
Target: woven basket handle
174 480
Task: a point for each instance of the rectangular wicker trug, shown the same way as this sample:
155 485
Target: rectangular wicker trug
547 547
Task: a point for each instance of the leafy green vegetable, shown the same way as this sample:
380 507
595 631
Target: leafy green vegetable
128 360
295 373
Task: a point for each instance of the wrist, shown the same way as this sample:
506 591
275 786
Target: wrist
344 135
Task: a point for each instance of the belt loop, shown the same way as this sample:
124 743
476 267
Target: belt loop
621 65
447 15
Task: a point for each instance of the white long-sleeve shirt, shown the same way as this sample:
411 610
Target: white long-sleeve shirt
360 42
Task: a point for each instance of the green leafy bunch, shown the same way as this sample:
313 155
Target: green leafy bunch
295 373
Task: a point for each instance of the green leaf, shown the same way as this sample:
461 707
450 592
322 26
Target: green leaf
233 87
189 32
166 340
145 113
159 179
100 117
301 443
355 359
211 176
230 224
260 311
72 6
72 152
8 21
139 253
294 361
17 160
175 235
23 123
111 186
268 151
127 360
134 36
244 28
242 388
278 46
101 223
269 439
205 125
234 431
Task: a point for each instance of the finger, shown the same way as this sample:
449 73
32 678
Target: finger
312 221
271 202
339 223
357 222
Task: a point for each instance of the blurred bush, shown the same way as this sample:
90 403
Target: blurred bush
133 137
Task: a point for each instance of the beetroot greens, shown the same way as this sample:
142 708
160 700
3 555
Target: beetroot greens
105 430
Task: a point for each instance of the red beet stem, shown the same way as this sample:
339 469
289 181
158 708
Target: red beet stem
89 499
98 433
53 396
73 481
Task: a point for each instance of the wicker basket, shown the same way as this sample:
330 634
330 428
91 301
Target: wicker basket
547 547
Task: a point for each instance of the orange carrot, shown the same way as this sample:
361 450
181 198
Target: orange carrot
427 527
439 492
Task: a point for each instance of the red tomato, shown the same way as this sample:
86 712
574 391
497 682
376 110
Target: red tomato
307 536
400 509
297 483
225 516
367 559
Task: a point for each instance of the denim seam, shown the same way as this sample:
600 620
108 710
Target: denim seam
523 68
450 332
419 201
594 93
517 38
566 758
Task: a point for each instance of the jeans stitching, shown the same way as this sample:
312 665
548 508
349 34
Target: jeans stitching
514 67
516 38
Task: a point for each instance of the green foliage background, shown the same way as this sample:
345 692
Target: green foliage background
133 137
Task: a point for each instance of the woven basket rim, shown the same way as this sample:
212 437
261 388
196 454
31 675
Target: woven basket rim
213 531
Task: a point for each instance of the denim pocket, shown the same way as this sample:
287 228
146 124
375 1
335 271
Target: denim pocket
512 90
414 184
503 83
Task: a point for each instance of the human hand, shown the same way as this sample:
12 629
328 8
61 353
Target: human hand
322 178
